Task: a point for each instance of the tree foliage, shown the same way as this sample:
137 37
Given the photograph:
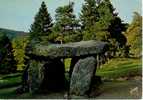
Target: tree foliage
116 30
88 18
66 24
19 44
100 21
7 62
41 27
134 34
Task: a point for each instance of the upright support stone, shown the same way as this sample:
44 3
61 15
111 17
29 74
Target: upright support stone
35 75
82 76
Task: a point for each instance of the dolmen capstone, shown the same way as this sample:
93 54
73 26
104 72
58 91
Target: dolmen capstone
46 67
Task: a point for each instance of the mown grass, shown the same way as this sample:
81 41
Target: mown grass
8 85
6 93
10 80
67 63
120 67
10 75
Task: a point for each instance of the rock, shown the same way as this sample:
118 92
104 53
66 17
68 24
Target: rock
134 92
69 50
46 71
82 76
35 75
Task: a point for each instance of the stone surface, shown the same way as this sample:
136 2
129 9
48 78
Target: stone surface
35 75
70 50
82 76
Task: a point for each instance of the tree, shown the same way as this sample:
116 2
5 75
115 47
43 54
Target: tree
19 44
42 24
66 23
88 18
106 15
7 62
116 30
134 35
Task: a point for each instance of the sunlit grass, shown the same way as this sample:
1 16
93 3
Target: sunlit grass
10 80
67 63
120 67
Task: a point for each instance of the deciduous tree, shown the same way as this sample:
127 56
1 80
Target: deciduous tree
134 35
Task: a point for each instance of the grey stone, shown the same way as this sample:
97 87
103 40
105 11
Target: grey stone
68 50
82 76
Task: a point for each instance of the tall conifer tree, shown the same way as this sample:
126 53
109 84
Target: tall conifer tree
42 23
106 15
66 23
88 18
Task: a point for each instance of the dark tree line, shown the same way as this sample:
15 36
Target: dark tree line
7 62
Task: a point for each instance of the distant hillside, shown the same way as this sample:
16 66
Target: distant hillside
12 33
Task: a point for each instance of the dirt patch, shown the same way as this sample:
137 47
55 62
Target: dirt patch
120 90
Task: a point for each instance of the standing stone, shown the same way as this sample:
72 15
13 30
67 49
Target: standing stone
35 75
82 76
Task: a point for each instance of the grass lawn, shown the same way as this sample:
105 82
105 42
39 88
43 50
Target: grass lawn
67 64
10 80
120 67
8 84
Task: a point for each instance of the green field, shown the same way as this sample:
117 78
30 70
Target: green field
114 69
120 67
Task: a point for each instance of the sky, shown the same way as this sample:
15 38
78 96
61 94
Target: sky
19 14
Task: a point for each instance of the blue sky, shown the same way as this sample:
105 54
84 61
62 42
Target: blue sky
19 14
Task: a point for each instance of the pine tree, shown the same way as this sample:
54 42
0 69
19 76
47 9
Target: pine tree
88 18
66 23
88 14
106 15
42 23
7 62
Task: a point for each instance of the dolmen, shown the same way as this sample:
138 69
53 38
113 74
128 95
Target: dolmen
46 69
